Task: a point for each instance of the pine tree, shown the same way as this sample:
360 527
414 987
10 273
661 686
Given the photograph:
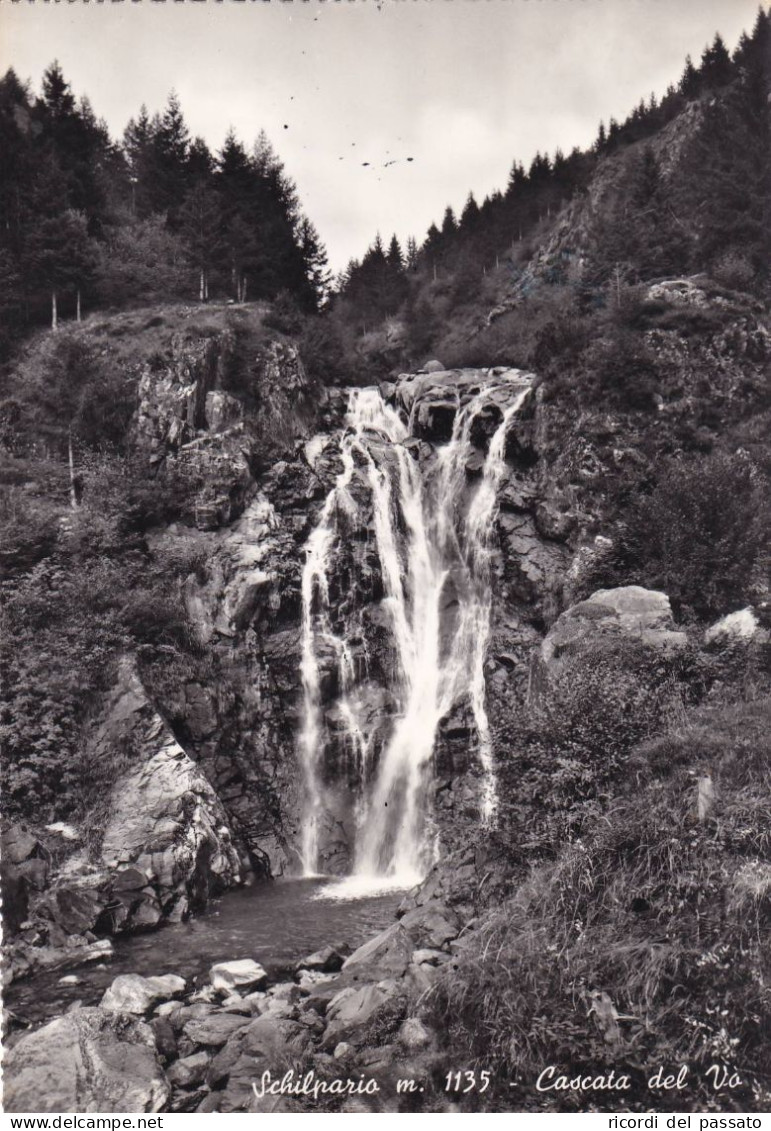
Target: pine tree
316 265
716 67
690 83
394 256
412 254
170 145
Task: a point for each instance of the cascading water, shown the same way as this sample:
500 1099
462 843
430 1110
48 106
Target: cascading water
429 527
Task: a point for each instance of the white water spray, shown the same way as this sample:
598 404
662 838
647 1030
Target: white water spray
422 537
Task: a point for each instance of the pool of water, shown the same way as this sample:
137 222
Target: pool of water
275 923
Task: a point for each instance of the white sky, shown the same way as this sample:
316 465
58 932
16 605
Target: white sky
462 86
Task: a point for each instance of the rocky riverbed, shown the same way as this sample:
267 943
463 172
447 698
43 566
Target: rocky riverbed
160 1043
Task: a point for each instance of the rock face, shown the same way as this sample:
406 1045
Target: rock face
609 616
167 840
90 1060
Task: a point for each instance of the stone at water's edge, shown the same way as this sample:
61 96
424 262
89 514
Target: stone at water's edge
327 960
90 1060
131 993
610 615
242 974
389 952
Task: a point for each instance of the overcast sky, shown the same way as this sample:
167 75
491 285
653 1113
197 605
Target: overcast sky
461 86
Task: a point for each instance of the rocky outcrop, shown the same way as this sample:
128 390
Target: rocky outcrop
741 626
610 616
90 1060
167 842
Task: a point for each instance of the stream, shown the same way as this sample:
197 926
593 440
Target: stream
275 923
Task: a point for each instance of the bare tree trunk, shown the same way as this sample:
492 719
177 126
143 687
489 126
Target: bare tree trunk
243 289
201 286
206 286
54 314
77 314
73 488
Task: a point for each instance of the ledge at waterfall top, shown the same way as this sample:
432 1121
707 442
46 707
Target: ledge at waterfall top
396 600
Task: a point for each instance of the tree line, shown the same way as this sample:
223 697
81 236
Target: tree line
153 216
716 208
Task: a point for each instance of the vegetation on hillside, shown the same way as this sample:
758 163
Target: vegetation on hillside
685 188
636 830
89 221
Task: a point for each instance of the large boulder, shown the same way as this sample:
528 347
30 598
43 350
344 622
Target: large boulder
90 1060
242 974
352 1013
165 821
390 953
432 925
610 616
131 993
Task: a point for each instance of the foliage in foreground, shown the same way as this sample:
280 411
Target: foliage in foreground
644 942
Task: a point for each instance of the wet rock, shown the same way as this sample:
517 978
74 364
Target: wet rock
89 1060
587 562
554 522
184 1100
189 1072
131 993
387 953
211 1102
242 974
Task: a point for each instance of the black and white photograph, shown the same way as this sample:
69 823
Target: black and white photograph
385 605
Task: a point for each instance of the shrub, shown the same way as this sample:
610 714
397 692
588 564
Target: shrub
560 756
699 533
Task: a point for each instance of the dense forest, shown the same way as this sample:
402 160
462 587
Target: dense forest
91 222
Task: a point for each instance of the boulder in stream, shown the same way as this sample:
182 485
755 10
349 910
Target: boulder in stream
131 993
242 974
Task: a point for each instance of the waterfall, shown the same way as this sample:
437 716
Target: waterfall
429 525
